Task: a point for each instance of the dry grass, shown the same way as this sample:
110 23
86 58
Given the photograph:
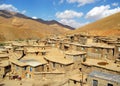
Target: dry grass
109 26
20 28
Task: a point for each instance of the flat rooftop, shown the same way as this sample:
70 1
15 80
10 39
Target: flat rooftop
110 65
74 53
105 76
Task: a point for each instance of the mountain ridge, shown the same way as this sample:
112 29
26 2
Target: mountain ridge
15 26
108 26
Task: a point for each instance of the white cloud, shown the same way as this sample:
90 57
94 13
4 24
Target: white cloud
8 7
34 17
115 4
23 12
68 18
81 2
68 14
72 23
101 12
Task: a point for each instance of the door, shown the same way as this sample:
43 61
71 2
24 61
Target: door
95 82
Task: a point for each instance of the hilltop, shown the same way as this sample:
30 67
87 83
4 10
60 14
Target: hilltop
109 26
14 26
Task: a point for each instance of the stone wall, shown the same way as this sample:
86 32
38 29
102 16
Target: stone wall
101 82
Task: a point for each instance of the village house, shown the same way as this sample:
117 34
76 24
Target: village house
93 50
71 37
33 51
54 42
117 48
64 46
4 64
4 56
96 78
27 66
60 63
78 80
76 56
5 68
57 60
9 49
101 65
101 51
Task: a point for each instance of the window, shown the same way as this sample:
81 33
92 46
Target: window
53 65
82 48
96 50
119 49
17 68
107 50
75 82
95 82
110 84
25 68
61 65
30 69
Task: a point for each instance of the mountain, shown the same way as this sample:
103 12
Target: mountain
108 26
15 26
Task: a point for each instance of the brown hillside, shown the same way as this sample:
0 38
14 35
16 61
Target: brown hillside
109 26
14 26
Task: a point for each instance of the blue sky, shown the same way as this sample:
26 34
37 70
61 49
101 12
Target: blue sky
75 13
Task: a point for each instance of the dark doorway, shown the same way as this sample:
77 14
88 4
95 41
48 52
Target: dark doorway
110 84
95 82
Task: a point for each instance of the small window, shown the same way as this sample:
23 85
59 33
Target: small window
110 84
82 48
95 82
119 49
30 69
75 82
53 65
96 50
61 65
25 68
17 68
107 50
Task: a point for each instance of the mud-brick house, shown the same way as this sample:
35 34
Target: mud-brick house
38 46
18 44
9 49
97 78
104 39
78 47
67 40
19 51
117 48
64 46
100 51
77 80
100 65
3 50
76 56
56 60
32 51
71 37
4 56
82 39
54 42
4 64
27 66
59 63
4 68
32 42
